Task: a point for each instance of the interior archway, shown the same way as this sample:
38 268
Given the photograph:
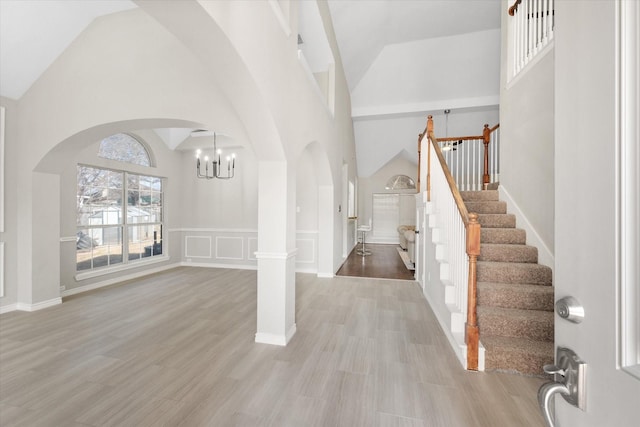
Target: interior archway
314 161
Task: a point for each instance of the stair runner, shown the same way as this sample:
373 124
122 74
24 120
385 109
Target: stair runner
515 293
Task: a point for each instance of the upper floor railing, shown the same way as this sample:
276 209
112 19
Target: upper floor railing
530 30
474 161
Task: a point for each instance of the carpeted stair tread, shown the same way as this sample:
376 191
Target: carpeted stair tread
519 355
487 207
513 322
515 297
513 272
480 195
497 220
522 296
508 253
515 236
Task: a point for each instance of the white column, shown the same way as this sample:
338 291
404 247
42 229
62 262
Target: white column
276 252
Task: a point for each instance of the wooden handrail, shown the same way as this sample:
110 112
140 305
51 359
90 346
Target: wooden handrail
464 214
459 138
514 8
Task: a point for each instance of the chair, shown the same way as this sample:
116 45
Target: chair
362 230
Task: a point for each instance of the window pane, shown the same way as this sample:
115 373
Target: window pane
98 247
133 198
99 199
145 241
124 148
115 179
133 182
144 200
84 246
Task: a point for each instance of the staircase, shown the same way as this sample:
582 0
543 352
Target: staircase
515 296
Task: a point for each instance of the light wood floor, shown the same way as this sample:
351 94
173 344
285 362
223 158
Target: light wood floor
177 348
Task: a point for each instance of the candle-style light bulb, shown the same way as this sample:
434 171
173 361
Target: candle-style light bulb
198 152
206 158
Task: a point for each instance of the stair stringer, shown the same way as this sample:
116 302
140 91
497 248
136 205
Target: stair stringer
545 255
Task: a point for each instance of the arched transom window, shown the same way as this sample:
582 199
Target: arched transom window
124 148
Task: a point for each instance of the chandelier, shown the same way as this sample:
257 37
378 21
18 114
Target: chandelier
216 165
448 145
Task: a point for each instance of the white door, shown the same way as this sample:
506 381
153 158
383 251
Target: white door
587 243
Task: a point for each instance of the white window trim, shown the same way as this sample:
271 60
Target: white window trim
126 263
103 271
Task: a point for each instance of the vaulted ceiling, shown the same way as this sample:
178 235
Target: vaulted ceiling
364 28
386 46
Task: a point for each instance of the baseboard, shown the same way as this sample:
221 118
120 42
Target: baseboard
274 339
218 265
326 275
545 256
20 306
8 308
102 284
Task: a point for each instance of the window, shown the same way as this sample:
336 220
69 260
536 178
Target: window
400 182
119 214
114 229
124 148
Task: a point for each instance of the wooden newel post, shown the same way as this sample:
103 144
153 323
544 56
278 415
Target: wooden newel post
486 136
428 135
472 332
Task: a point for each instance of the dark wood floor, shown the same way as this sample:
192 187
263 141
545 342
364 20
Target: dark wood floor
383 263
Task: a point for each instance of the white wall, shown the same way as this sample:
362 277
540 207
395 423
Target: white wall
131 71
527 145
10 236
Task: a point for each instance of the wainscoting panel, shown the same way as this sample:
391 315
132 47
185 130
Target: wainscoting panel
229 248
197 246
306 251
307 256
236 248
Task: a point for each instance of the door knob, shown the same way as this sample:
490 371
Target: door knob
570 380
553 369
